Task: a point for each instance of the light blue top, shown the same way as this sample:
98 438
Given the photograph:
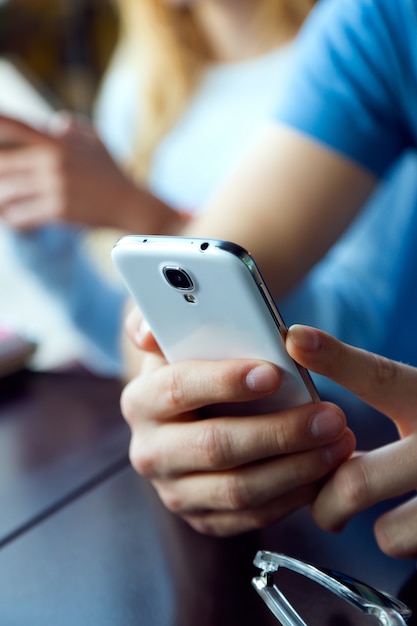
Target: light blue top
350 293
353 84
224 116
354 88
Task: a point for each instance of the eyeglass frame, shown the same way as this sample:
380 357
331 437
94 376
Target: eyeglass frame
386 608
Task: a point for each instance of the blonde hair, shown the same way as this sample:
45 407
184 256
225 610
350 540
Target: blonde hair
172 49
174 52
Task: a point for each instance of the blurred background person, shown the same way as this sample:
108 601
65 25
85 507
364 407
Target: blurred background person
62 49
176 141
224 63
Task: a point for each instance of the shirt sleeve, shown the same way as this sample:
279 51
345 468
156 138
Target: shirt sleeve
347 81
94 305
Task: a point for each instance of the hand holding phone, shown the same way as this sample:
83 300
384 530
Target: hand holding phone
206 299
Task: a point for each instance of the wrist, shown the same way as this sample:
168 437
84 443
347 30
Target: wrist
179 222
143 212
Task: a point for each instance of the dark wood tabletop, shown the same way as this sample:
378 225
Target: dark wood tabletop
85 540
59 433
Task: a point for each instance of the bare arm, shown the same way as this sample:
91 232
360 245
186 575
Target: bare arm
287 202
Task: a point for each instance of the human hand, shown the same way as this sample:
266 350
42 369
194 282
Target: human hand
226 475
138 331
383 473
137 343
66 174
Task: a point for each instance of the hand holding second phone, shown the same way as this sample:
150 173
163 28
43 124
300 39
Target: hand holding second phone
65 173
226 475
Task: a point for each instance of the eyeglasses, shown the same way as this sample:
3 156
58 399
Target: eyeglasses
387 609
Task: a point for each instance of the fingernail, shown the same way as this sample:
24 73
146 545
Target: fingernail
262 378
59 122
326 424
304 337
338 451
141 332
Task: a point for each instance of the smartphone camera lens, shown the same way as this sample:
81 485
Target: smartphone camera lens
178 278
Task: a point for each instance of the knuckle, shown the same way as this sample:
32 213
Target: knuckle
384 370
203 525
142 457
395 530
229 525
228 382
303 473
135 405
234 493
141 463
174 391
128 403
257 519
353 488
213 444
51 159
170 499
279 433
388 541
215 525
131 323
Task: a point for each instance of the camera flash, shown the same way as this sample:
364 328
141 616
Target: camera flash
190 298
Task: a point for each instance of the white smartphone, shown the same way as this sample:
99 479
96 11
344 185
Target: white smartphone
20 99
206 299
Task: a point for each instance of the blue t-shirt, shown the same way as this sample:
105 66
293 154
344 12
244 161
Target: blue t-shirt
354 79
353 87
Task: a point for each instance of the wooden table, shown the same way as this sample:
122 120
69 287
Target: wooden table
84 541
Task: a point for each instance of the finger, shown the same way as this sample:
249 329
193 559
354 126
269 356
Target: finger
67 125
388 386
29 213
225 524
364 480
29 161
133 321
15 188
225 443
254 485
63 122
139 332
17 161
395 531
16 132
187 385
142 335
60 122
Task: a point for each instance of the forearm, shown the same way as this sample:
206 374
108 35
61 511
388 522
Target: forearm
140 211
287 203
